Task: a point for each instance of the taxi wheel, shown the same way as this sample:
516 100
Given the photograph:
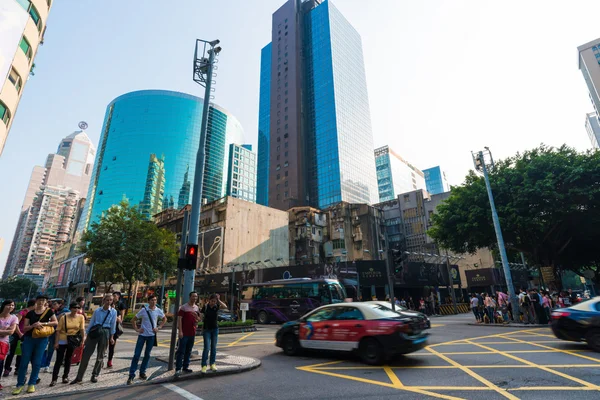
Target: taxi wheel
371 351
593 339
263 318
291 346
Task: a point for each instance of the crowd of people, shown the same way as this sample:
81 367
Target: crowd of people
534 306
31 337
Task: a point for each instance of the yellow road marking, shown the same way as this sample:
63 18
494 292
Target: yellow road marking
553 388
242 338
437 325
322 364
480 378
556 350
393 377
572 378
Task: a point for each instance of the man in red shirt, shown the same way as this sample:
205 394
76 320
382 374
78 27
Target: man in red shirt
187 323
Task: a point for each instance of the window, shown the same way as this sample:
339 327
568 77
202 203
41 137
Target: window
4 113
14 77
277 147
285 164
286 183
35 17
277 186
324 314
285 136
278 167
285 145
285 154
338 244
278 176
26 47
286 173
349 313
285 195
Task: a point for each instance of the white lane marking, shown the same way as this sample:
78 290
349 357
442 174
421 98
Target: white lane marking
182 392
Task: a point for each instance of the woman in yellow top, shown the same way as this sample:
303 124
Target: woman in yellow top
70 324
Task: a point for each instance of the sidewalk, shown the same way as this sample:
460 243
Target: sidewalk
117 375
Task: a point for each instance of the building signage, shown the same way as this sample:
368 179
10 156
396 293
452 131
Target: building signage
372 273
548 274
480 277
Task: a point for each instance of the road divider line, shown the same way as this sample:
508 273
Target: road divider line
473 374
242 338
182 392
393 377
554 349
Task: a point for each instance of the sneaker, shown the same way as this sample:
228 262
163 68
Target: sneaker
17 390
130 381
109 364
53 383
204 369
213 367
178 372
94 379
6 373
31 389
187 370
143 376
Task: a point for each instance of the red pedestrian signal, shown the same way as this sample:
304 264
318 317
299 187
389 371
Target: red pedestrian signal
191 256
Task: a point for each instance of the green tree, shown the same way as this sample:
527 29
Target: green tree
17 288
128 247
548 202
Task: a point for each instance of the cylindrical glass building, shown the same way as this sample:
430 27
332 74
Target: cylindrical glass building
147 153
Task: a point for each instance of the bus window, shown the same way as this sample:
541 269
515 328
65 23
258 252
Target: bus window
337 294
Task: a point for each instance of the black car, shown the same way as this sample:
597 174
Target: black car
579 323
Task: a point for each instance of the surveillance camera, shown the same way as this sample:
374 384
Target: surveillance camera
214 42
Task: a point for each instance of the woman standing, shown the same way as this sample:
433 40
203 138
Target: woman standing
71 324
210 330
8 324
16 338
33 347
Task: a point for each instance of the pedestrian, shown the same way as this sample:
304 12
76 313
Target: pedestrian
58 306
503 305
16 339
547 305
210 330
120 306
475 307
535 305
78 352
525 306
187 323
8 325
39 325
489 308
98 335
70 334
422 308
147 336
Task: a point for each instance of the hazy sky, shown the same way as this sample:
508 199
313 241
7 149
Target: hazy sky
444 77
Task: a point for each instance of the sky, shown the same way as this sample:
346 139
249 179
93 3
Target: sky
444 77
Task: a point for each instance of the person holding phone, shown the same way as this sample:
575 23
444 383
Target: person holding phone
210 330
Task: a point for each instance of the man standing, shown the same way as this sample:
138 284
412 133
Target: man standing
147 336
210 330
525 305
99 334
187 323
118 305
475 307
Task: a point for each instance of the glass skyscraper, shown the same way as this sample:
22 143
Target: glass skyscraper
241 175
264 120
147 153
395 175
320 139
436 180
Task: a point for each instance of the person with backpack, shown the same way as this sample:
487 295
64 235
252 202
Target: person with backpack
147 336
525 307
70 334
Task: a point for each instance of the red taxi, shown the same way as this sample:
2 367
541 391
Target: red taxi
374 331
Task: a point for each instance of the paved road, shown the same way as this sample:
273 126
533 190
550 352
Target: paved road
461 362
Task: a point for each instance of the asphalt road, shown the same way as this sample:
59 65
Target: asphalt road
461 362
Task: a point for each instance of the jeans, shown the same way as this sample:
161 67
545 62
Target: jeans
184 352
210 341
33 350
476 313
141 341
14 339
47 359
60 357
490 314
504 310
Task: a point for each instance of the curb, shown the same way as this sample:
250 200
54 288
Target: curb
196 375
511 325
222 330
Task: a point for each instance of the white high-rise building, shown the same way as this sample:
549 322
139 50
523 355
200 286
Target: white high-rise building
49 209
395 175
592 128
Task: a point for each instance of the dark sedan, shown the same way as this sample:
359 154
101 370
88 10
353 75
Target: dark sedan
579 323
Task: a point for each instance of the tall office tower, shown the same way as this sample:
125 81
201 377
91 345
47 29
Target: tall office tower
49 210
395 175
147 153
589 65
320 139
264 122
241 174
592 128
436 180
22 28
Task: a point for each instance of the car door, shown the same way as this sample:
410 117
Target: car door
315 329
347 328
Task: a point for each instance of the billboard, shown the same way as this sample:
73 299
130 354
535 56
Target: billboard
13 19
210 250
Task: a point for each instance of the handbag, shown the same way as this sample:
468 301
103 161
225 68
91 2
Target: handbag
73 341
4 348
152 324
96 330
44 331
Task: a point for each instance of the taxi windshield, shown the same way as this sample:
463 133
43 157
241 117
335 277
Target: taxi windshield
383 311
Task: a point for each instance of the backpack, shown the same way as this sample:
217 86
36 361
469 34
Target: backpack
526 300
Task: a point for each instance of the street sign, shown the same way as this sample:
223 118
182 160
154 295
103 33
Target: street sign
548 274
244 307
171 294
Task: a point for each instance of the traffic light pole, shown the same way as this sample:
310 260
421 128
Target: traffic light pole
390 271
182 248
451 283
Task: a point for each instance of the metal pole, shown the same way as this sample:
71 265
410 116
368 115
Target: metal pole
451 283
507 274
162 291
232 290
388 268
188 285
182 247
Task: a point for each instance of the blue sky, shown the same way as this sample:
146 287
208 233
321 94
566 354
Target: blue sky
444 77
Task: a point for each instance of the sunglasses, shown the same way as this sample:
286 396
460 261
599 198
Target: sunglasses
77 307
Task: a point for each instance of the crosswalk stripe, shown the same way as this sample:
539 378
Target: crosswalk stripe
182 392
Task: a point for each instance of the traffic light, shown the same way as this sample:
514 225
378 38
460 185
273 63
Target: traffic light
92 287
191 256
398 257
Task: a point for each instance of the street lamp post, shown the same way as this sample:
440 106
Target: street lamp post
202 75
480 165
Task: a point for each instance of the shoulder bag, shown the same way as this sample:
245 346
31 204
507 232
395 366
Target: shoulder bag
152 324
73 341
96 330
44 331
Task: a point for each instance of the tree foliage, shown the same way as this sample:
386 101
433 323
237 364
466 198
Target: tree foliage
125 247
548 202
17 288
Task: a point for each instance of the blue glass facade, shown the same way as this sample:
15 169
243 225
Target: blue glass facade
147 153
436 180
339 138
264 120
